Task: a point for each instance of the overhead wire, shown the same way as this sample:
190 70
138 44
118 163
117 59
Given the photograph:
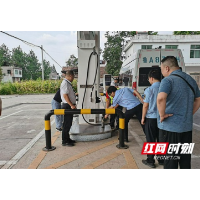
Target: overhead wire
32 45
28 43
51 58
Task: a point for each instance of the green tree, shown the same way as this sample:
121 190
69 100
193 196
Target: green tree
18 58
186 32
53 69
5 56
33 67
47 69
112 53
72 61
114 47
1 75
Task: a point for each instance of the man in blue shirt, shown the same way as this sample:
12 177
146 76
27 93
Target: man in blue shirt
149 114
125 98
177 101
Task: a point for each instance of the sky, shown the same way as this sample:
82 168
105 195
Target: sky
58 44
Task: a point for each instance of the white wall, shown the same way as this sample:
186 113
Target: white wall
7 79
192 64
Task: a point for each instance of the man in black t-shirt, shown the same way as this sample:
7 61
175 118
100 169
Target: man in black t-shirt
56 104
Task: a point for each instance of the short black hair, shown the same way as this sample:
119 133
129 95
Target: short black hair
171 61
155 73
68 72
111 89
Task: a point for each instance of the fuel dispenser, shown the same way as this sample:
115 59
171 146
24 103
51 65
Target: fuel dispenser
88 43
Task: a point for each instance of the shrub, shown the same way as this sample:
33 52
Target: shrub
30 87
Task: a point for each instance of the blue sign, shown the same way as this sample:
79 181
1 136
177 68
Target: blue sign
156 60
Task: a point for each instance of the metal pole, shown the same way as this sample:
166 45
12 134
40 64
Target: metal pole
98 73
42 64
121 144
48 132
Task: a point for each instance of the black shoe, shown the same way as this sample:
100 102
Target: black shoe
152 165
68 144
71 141
59 129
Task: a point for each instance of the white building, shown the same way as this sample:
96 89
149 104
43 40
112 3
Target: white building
54 76
189 45
11 74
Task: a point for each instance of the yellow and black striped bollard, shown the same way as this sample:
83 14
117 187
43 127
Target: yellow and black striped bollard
121 144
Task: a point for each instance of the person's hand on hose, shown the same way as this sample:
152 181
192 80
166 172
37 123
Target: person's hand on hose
106 116
73 107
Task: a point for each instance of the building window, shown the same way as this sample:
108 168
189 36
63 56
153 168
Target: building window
171 46
196 77
20 72
16 71
146 46
8 71
195 51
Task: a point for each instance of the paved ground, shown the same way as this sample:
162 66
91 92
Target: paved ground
95 155
22 139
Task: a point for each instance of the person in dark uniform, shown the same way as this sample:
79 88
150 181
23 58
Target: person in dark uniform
68 102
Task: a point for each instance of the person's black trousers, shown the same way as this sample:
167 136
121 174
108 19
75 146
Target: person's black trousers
152 135
67 123
113 117
117 117
129 114
175 138
112 120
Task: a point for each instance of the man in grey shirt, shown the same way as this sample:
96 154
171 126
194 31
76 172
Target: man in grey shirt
68 102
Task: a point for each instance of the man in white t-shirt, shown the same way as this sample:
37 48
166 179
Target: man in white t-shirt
68 102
